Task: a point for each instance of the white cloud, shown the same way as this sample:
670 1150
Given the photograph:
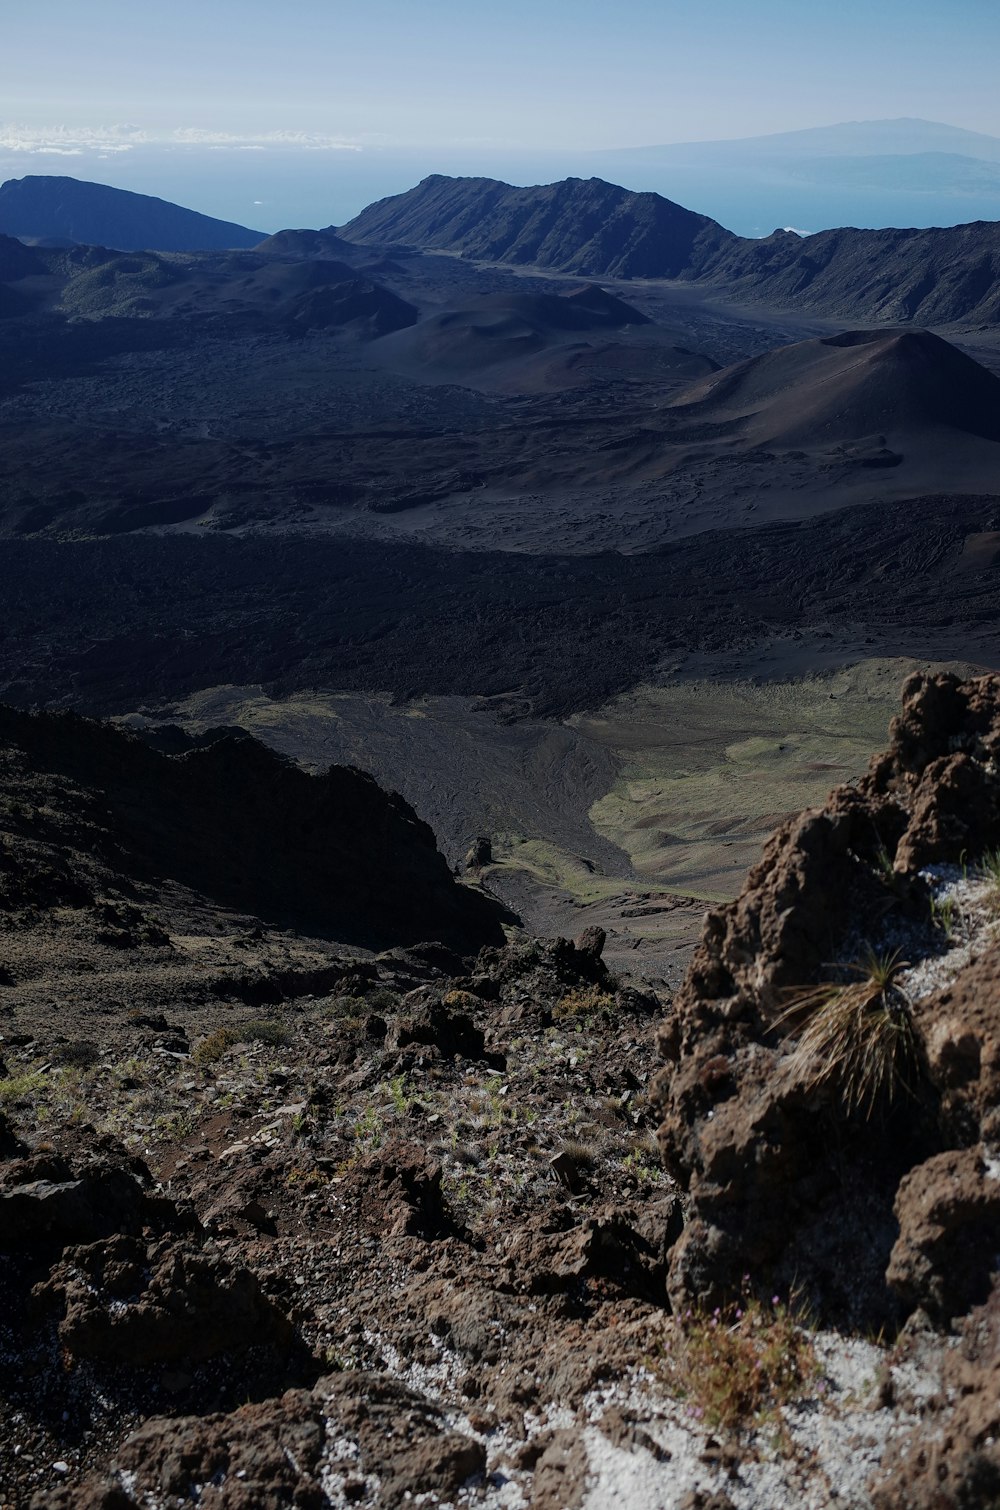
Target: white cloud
73 141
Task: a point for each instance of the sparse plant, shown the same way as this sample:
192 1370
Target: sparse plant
989 871
258 1030
883 862
368 1128
859 1034
740 1365
583 1155
265 1030
401 1100
17 1090
946 915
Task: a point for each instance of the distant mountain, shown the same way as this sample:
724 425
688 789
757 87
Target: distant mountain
863 173
41 208
935 276
902 136
583 226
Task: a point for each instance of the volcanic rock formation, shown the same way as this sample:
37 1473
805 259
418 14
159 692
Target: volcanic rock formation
829 1112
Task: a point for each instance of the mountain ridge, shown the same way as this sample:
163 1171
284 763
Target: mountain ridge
930 276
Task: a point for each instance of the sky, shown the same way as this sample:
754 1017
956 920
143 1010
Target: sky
527 73
346 86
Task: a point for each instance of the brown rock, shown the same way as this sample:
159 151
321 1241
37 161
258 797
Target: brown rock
128 1304
397 1192
561 1471
949 1233
359 1430
951 1458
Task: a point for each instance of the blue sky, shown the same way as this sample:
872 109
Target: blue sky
524 74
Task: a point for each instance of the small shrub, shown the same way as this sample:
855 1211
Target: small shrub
583 1003
739 1365
19 1089
258 1030
265 1030
79 1052
582 1155
946 915
212 1048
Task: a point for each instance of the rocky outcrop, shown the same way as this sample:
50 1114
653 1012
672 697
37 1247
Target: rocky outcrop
125 1301
100 810
790 1177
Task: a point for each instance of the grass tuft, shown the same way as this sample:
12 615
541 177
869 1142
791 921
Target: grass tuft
859 1035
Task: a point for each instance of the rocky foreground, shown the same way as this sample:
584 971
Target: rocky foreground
287 1219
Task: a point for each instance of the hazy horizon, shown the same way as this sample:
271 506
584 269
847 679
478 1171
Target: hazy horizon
305 118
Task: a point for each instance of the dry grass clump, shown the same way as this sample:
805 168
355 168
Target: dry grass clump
583 1003
858 1034
738 1366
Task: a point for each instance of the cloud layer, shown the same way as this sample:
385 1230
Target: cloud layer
72 141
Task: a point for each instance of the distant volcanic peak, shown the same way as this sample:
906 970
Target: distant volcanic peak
306 243
847 387
593 297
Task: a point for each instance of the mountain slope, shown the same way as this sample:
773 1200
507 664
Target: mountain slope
578 226
930 276
228 818
98 215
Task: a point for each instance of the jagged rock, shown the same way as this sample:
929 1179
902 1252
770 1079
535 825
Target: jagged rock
561 1471
127 1303
784 1179
626 1244
43 1203
949 1232
479 855
950 1460
960 1029
429 1022
590 944
236 822
10 1145
397 1190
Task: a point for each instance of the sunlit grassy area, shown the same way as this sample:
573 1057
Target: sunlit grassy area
709 768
